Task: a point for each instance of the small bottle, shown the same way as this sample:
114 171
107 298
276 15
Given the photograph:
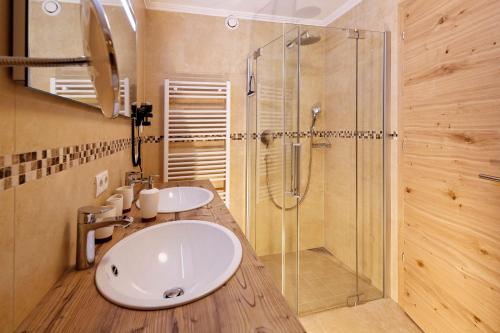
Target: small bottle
149 198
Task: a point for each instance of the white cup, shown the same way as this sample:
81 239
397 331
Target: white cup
116 200
149 200
105 234
128 196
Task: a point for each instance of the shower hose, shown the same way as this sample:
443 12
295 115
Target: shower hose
303 196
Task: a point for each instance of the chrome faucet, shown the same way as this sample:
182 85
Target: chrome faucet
87 224
132 177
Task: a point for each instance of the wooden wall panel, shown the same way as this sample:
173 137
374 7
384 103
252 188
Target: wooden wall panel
450 126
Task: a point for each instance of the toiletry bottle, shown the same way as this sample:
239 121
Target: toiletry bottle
149 198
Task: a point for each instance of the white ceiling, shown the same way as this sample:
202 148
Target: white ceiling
313 12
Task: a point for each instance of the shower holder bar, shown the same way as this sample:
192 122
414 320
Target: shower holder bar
296 170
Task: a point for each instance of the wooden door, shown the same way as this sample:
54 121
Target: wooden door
450 125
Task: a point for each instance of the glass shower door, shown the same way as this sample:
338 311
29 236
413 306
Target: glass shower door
273 216
292 158
370 165
328 251
268 142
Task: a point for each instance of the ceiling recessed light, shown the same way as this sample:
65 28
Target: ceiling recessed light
232 22
51 7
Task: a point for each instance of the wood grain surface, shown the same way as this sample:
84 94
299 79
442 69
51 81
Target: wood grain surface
248 302
450 122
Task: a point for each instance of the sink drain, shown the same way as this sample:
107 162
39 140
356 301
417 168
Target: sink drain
174 292
114 270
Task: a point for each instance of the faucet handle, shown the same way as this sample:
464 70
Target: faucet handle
150 181
122 220
88 214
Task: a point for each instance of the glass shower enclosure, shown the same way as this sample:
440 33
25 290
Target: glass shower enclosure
315 164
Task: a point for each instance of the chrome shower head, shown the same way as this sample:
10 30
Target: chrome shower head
306 38
315 110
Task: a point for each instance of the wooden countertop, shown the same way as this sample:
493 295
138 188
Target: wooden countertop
248 302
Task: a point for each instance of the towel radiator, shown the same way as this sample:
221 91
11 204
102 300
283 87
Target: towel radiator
197 133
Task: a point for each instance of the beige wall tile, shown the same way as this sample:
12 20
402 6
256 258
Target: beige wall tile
42 218
43 121
152 160
7 142
7 100
195 46
238 182
46 212
7 260
7 112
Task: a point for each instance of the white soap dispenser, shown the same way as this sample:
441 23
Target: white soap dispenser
149 198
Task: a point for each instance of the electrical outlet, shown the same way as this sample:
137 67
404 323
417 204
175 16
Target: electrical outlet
101 182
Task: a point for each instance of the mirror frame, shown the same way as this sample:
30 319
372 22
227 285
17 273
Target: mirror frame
99 47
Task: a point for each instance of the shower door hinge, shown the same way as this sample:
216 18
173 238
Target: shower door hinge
355 34
353 300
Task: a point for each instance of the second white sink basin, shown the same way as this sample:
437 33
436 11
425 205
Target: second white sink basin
168 264
179 199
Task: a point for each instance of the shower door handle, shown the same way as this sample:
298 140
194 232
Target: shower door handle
296 169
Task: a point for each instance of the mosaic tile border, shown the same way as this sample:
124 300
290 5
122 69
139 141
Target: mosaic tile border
342 134
351 134
17 169
152 139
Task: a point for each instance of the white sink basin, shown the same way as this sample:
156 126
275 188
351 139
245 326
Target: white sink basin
179 199
187 257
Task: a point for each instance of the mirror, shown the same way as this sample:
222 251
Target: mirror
56 29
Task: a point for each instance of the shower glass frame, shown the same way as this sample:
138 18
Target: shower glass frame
290 222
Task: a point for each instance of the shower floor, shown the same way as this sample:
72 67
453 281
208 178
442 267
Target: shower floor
324 281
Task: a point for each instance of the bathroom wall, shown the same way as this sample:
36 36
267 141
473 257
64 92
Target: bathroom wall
201 47
37 209
196 46
312 92
377 16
